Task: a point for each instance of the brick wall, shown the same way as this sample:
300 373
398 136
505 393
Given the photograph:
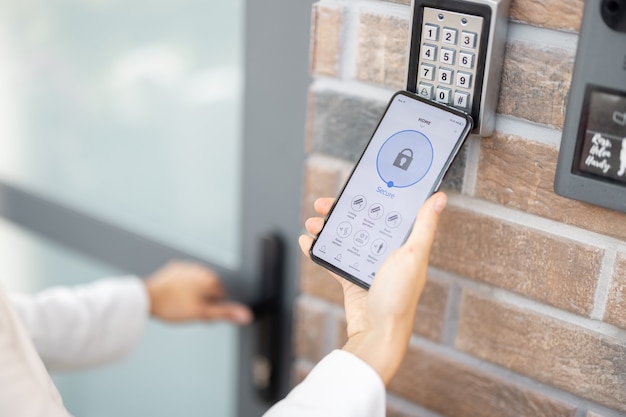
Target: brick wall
524 313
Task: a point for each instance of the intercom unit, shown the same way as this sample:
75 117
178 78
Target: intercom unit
592 157
456 55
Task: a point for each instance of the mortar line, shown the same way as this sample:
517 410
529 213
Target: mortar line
470 175
601 296
349 42
357 88
409 407
452 314
505 374
529 304
533 221
545 134
542 36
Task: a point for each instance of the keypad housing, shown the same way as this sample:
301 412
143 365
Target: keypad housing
448 57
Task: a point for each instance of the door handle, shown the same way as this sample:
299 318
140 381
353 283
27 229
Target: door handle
270 316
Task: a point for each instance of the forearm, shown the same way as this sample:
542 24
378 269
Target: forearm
85 325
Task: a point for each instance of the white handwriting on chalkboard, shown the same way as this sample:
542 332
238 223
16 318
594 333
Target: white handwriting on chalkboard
622 159
599 153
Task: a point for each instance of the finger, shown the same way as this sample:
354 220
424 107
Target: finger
323 205
425 226
233 312
305 243
314 225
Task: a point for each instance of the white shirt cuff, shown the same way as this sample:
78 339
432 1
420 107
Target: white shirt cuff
340 385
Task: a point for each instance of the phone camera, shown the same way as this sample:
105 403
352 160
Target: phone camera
614 14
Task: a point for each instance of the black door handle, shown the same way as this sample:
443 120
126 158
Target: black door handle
270 318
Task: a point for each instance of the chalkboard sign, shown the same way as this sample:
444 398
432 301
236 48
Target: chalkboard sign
592 155
602 135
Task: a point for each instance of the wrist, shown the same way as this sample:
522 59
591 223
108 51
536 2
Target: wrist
151 296
383 351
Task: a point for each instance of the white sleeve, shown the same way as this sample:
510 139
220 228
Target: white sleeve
340 385
26 389
87 325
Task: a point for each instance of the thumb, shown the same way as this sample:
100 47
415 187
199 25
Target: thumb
425 226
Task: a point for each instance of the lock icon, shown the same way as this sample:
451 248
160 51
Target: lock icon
404 159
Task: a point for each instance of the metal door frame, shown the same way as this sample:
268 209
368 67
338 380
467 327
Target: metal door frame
276 83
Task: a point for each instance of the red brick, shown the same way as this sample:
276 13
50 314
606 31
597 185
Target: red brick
519 173
321 179
546 267
553 14
535 83
616 304
455 389
557 353
317 281
382 50
431 310
326 39
339 123
309 330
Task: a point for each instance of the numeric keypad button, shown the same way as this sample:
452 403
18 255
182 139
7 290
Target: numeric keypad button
431 32
449 36
468 40
445 76
429 52
425 90
443 95
466 60
464 79
461 100
427 72
447 56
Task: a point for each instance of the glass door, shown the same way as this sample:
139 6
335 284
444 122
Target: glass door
131 111
131 133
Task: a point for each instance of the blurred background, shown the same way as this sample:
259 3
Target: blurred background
132 113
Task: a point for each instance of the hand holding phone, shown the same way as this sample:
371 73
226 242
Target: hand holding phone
403 164
381 320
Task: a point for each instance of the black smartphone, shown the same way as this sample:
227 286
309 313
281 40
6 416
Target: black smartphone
404 162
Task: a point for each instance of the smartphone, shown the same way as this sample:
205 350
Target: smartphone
404 162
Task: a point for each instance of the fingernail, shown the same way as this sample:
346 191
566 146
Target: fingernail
243 317
440 203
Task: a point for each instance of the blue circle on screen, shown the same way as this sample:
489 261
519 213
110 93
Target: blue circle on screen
404 159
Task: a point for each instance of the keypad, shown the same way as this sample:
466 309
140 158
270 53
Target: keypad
447 63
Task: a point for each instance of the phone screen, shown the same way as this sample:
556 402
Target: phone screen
402 165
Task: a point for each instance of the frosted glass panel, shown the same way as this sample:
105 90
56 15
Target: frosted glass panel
130 110
187 371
